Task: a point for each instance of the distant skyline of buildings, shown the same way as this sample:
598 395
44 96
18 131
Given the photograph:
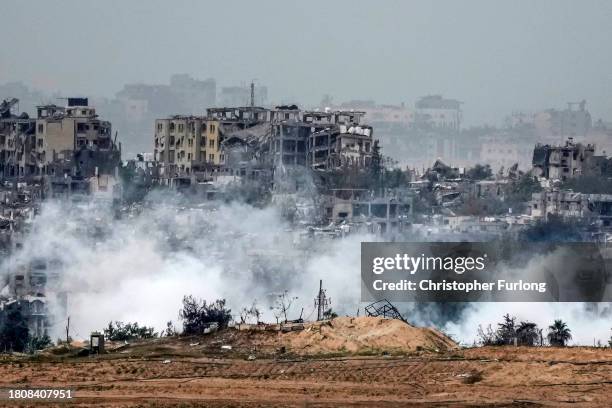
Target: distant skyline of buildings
417 133
201 91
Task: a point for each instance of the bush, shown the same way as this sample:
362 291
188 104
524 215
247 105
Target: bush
128 331
519 192
197 315
525 333
486 337
170 330
329 314
39 343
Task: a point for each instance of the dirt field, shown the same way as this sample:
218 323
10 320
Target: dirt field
194 372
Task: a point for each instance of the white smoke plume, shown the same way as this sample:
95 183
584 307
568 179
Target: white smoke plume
137 267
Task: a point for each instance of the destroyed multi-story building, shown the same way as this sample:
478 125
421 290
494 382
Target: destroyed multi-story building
65 148
569 204
73 141
246 126
367 212
561 162
236 138
180 142
244 140
185 145
76 152
338 139
17 142
322 140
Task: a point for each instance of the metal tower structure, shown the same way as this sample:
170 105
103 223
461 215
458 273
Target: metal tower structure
322 302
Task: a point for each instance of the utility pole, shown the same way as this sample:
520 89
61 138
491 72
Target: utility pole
322 302
68 330
252 94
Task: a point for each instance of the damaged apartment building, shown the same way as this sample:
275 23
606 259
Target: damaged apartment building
562 162
246 140
190 146
359 210
337 139
276 148
569 204
17 142
66 147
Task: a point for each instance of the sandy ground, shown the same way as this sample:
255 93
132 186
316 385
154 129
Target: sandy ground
491 376
363 335
194 372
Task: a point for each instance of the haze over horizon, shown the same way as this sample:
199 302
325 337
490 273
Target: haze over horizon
495 56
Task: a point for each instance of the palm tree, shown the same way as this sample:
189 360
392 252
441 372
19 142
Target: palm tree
559 333
527 334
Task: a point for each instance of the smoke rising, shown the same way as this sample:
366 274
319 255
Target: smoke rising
138 265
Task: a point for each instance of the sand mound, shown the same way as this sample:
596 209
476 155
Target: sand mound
363 335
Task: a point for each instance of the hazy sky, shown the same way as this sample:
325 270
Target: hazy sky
496 56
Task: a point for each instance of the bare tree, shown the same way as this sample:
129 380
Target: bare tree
282 305
251 312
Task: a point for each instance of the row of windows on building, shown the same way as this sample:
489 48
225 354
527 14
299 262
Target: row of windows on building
172 140
181 155
81 128
181 127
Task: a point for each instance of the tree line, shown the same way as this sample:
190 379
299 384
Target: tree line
524 333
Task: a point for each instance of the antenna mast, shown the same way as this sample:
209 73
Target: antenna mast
322 302
252 94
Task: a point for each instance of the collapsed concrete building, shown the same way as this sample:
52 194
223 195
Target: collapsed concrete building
76 150
186 145
366 212
321 140
251 141
562 162
339 140
62 140
568 204
65 148
17 141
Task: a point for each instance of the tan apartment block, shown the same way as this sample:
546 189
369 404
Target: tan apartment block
185 144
